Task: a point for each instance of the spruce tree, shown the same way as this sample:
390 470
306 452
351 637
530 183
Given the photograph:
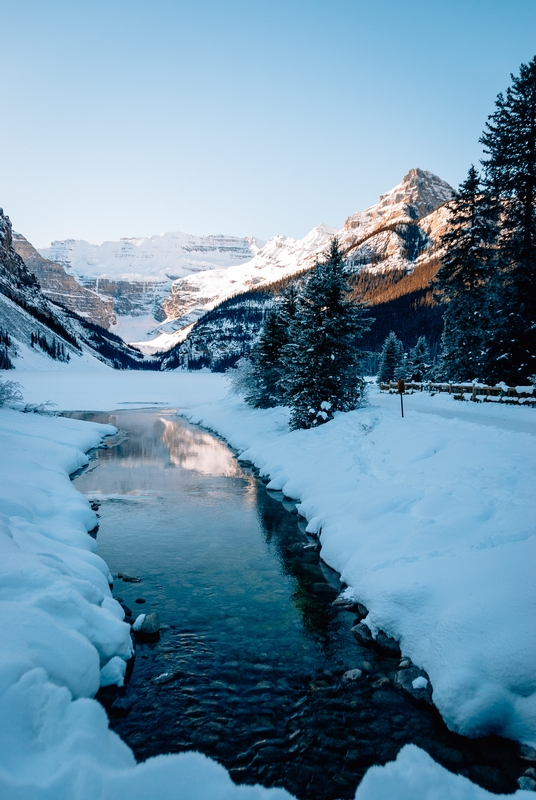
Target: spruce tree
264 378
391 359
321 362
510 171
419 360
465 281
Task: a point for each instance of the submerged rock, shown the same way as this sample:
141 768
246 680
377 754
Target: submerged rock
323 590
121 707
352 675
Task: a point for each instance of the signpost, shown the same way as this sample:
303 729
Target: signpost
401 390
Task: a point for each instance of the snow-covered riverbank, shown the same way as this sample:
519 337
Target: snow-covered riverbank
430 521
63 636
61 624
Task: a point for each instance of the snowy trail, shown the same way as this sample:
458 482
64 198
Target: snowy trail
507 418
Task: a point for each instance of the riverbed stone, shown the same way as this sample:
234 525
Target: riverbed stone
151 623
362 634
352 675
527 753
121 706
387 643
405 679
323 590
526 783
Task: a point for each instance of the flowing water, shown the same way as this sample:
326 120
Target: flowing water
250 665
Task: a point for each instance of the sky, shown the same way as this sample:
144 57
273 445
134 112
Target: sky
248 117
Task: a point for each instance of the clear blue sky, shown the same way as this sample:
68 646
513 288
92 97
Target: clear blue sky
126 118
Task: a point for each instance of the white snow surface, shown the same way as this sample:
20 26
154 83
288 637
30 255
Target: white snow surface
109 389
63 634
430 521
415 776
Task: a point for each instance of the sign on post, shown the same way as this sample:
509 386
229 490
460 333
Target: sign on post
401 390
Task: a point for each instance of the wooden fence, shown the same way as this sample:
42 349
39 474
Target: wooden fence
471 391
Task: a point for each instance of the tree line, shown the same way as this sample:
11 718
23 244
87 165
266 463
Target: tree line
487 276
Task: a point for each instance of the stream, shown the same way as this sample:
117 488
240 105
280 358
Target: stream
252 661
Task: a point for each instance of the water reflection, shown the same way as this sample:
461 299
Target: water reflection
255 649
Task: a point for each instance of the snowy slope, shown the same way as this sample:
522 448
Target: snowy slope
21 325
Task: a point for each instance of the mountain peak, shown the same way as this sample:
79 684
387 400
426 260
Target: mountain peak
424 191
418 194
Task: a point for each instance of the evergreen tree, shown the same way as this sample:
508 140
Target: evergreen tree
510 170
261 381
465 281
391 359
419 360
321 362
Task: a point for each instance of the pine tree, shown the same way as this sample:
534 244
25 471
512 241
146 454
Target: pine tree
465 281
321 362
510 170
262 379
419 360
391 359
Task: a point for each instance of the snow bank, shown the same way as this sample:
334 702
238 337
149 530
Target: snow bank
430 521
63 635
415 776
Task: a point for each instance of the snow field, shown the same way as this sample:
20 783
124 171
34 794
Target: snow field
109 390
430 521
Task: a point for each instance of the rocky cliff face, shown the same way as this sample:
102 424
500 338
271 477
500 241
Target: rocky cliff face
15 277
403 228
62 288
36 333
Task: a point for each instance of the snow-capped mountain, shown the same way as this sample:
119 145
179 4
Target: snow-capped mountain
399 232
161 284
137 274
403 228
280 256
